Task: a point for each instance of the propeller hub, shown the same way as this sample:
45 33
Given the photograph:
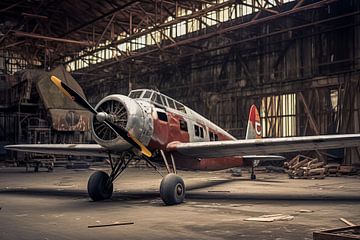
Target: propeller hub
102 116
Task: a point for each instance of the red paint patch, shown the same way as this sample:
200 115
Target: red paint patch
166 132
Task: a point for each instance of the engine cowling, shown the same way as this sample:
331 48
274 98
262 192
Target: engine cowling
135 116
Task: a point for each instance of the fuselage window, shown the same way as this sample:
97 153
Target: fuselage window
162 116
197 130
211 136
216 137
183 125
201 132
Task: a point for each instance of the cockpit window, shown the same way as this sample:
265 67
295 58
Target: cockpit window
171 103
135 94
180 107
147 94
156 98
153 97
163 100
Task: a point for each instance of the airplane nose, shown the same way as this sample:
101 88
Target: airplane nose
122 111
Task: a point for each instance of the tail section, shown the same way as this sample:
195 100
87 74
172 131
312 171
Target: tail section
254 129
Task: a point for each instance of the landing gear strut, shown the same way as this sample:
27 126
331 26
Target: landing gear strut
253 176
100 184
172 187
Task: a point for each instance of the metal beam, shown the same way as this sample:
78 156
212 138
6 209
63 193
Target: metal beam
228 29
163 25
38 36
100 17
30 15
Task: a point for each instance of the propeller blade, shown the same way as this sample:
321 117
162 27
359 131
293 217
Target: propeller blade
76 97
129 138
72 94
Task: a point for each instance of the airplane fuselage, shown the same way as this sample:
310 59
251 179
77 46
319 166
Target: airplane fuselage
157 120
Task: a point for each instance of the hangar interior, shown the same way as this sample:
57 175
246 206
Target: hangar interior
298 61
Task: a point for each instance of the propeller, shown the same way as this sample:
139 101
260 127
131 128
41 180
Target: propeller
101 116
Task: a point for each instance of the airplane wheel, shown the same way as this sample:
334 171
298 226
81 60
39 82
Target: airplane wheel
98 188
172 189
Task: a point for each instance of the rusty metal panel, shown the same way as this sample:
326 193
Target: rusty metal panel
70 120
65 114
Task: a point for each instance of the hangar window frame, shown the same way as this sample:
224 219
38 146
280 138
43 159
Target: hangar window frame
177 29
279 115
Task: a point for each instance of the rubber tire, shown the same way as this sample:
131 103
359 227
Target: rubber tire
97 188
169 189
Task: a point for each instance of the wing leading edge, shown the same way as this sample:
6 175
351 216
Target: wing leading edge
264 146
94 150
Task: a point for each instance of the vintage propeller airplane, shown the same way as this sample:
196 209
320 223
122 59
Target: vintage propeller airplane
151 126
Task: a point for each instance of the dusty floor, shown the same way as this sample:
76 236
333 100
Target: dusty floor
56 206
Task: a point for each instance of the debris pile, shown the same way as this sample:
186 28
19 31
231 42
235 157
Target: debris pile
305 167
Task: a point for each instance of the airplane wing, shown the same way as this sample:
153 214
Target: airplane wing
94 150
264 146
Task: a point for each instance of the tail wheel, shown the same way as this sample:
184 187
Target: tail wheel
99 187
172 189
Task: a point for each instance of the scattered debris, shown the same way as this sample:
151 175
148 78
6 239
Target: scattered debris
271 218
304 211
347 222
305 167
332 170
110 225
21 215
346 169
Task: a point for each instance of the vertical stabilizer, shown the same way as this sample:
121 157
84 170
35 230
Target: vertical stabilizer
254 126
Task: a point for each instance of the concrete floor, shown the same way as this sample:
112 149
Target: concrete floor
56 206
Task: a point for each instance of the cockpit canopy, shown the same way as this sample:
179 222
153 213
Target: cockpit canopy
157 98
